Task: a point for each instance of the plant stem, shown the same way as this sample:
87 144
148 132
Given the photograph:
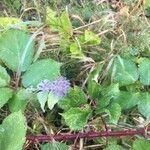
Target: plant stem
90 135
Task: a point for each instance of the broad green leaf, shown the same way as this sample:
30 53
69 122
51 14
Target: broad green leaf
144 105
40 70
76 118
16 49
144 71
141 145
113 147
91 38
52 20
13 131
75 98
4 77
6 21
42 99
54 146
76 50
108 93
114 113
19 100
52 100
127 100
5 95
147 3
94 89
65 29
125 71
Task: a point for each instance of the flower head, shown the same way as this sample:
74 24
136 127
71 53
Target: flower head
59 87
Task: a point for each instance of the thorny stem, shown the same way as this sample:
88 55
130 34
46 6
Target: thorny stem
90 135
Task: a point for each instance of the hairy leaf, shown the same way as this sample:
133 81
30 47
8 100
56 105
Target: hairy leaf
41 70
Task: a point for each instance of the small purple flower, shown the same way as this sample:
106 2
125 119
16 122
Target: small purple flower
44 86
59 87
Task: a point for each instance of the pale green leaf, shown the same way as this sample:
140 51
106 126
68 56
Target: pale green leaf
141 145
4 77
52 100
127 99
114 113
75 98
13 131
16 49
91 38
54 146
42 99
144 70
76 118
19 100
144 104
125 71
5 95
41 70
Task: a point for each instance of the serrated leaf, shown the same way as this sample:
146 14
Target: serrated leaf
52 100
4 77
76 118
42 99
91 38
114 113
75 98
76 50
94 89
41 70
127 99
54 146
125 71
141 145
144 71
13 131
17 55
144 104
5 95
114 147
65 29
19 100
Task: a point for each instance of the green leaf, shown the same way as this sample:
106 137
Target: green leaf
114 147
144 71
54 146
75 50
114 113
19 100
125 71
76 118
91 38
65 29
52 20
75 98
144 104
127 100
108 93
40 70
7 21
141 145
94 89
13 131
52 100
42 99
5 95
4 77
16 49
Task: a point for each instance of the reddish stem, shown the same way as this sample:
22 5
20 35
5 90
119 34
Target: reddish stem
90 135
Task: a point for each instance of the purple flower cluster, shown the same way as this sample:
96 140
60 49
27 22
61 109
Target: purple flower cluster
59 87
